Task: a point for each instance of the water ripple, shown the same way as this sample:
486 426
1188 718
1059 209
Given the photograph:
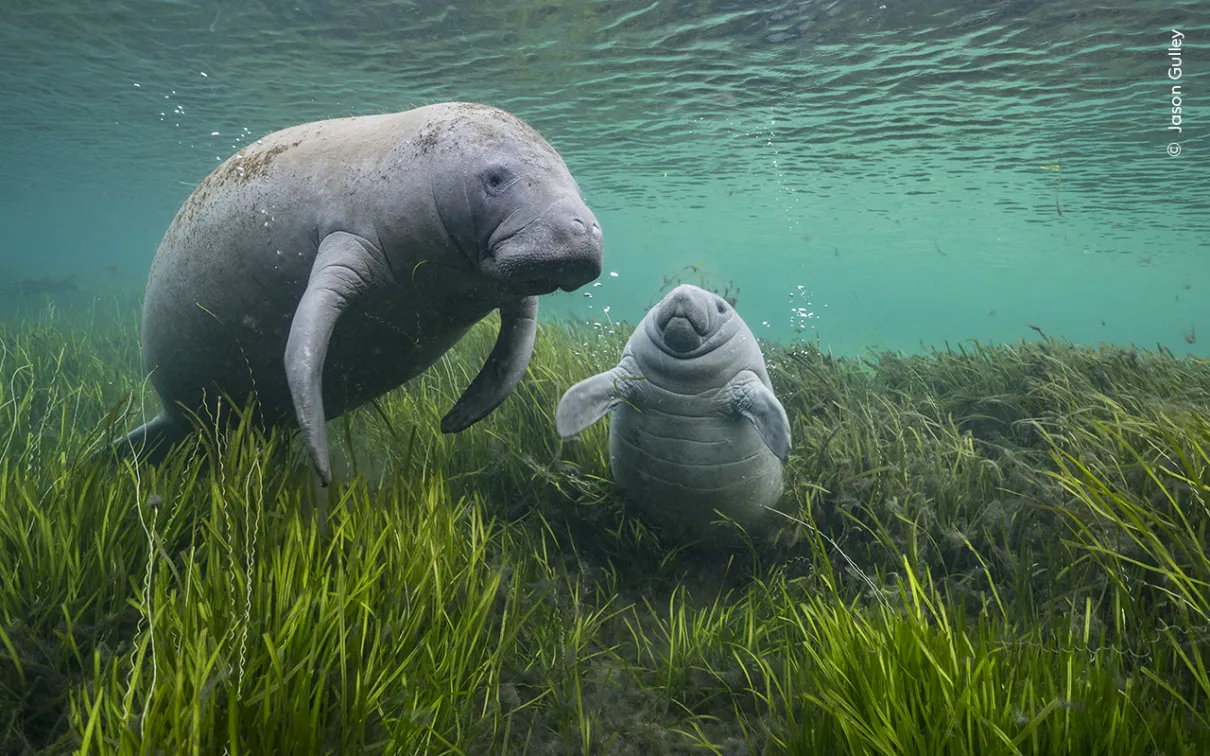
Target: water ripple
798 103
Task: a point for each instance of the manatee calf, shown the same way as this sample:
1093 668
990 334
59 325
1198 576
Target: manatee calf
695 426
330 262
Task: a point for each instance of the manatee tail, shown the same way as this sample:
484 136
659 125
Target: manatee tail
153 440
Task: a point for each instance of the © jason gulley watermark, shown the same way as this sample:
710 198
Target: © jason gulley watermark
1174 74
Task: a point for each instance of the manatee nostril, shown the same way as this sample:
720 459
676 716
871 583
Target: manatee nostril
596 229
686 311
577 226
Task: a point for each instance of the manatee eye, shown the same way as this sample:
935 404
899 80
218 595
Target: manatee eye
496 179
721 306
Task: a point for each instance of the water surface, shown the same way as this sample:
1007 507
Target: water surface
864 172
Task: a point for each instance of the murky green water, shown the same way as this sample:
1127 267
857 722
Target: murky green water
864 172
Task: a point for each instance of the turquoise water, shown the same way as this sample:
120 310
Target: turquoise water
865 172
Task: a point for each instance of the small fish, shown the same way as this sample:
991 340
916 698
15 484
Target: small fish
1058 207
1191 337
1145 260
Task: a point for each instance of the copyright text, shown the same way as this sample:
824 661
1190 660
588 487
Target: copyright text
1175 63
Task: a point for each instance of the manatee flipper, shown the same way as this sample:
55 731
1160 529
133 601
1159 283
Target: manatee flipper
504 369
750 398
345 267
152 440
592 398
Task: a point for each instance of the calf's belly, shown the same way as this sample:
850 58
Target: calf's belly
680 470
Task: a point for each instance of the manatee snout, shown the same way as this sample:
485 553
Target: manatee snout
560 249
684 319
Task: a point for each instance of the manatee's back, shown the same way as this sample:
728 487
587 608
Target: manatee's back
235 261
681 456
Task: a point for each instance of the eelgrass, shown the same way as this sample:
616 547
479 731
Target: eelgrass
997 550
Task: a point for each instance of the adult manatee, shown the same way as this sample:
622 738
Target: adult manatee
330 262
695 427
